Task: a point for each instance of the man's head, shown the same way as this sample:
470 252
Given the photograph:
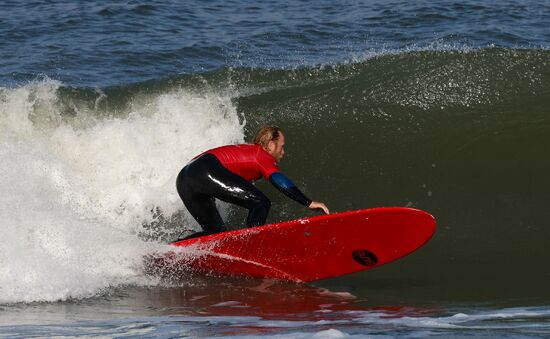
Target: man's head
272 140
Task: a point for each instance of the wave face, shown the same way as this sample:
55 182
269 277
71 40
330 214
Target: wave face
88 175
460 133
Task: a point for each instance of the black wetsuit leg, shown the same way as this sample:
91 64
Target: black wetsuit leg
204 179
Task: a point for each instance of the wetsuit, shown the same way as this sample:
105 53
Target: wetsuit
226 173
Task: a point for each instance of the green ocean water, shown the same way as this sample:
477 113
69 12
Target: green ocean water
461 134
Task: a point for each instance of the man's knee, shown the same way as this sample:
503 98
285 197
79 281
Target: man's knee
264 202
257 214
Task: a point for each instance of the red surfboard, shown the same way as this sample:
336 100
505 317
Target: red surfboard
307 249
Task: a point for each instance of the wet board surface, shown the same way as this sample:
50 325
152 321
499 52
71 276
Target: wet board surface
308 249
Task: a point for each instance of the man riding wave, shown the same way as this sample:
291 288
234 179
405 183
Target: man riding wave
227 172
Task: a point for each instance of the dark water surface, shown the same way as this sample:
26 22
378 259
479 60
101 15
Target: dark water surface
94 43
441 106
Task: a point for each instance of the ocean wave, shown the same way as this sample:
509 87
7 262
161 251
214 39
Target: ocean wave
447 131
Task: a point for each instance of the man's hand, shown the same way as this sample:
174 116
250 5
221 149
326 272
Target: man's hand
318 205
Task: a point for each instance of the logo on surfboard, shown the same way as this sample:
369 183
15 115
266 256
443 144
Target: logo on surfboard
364 257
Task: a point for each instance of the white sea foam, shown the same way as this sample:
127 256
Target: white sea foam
74 198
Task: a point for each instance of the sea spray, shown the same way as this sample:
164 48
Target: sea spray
75 198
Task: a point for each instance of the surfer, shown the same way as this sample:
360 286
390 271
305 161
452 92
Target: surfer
227 172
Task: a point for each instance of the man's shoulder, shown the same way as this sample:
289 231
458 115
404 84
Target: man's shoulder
233 147
236 150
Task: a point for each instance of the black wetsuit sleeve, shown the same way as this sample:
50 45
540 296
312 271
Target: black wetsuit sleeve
285 185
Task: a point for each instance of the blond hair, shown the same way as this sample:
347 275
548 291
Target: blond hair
265 135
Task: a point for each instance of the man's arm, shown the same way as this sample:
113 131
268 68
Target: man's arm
285 185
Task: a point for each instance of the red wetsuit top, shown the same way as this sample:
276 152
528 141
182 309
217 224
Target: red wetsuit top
246 160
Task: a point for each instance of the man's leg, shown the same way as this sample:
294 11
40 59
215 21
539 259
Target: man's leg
201 206
229 187
203 209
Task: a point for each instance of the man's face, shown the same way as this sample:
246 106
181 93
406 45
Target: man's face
276 147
